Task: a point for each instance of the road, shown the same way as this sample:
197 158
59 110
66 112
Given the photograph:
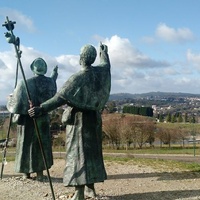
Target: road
177 157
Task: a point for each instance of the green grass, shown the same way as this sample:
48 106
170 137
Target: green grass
8 158
185 126
59 149
157 150
167 165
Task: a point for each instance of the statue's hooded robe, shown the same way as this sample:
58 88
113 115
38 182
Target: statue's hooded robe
87 93
28 153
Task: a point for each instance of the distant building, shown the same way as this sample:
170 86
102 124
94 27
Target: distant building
4 113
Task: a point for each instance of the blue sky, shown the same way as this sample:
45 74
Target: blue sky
154 45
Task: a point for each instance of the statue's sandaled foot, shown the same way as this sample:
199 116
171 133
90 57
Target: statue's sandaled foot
26 176
79 193
90 191
40 176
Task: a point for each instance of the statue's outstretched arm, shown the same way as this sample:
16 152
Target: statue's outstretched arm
104 58
54 74
49 105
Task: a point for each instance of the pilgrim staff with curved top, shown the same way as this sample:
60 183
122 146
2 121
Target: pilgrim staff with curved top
10 37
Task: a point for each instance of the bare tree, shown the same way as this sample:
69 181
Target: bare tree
144 130
128 129
111 124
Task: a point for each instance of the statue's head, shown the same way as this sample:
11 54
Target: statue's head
39 66
88 55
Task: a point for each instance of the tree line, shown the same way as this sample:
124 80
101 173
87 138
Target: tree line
177 117
125 130
135 131
144 111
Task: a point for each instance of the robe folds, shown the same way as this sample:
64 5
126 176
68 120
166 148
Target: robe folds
84 159
28 153
86 93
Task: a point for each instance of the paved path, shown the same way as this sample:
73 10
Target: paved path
178 157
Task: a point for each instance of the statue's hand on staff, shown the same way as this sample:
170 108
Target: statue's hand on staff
35 112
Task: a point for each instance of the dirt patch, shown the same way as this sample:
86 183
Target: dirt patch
125 182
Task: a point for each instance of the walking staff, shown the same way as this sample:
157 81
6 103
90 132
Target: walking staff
15 41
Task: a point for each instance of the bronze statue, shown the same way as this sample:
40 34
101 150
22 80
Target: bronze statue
86 94
28 154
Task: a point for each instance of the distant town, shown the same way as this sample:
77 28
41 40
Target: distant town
163 104
170 111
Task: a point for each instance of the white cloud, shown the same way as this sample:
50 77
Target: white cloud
170 71
193 58
183 80
122 53
179 35
70 61
131 70
129 65
67 65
